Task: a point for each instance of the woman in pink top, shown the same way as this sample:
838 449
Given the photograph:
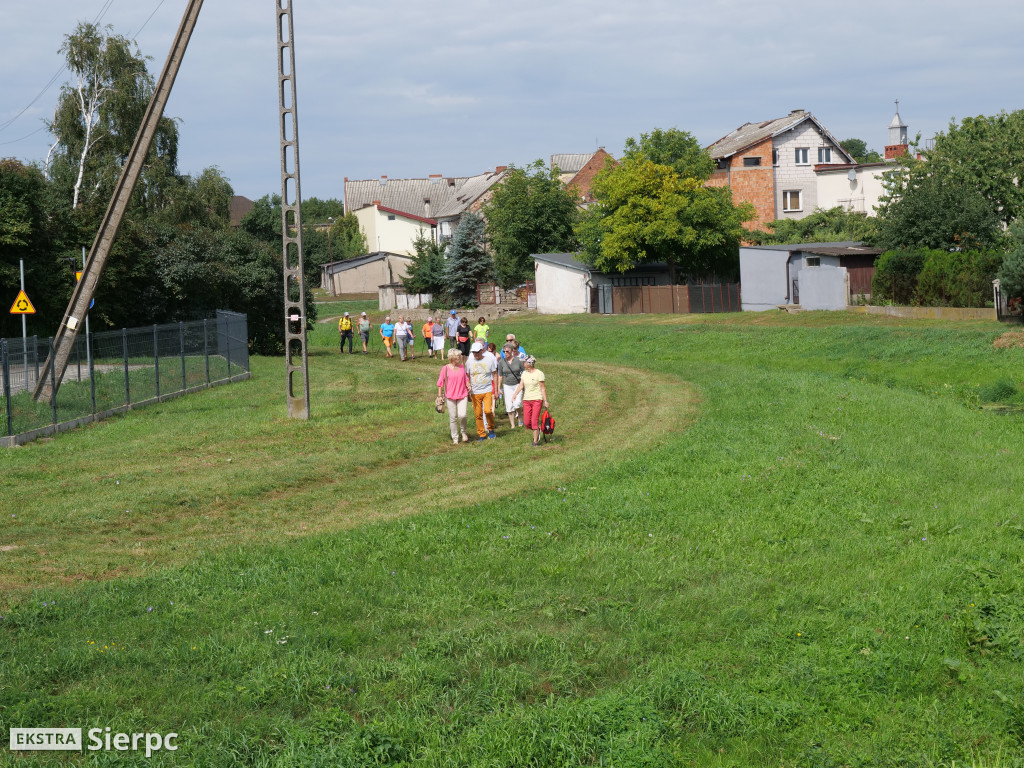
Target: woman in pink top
454 384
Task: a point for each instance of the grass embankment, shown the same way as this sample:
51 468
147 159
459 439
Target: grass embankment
822 568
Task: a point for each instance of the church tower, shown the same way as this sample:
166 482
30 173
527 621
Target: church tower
898 144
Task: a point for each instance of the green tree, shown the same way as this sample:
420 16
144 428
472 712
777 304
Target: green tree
823 226
426 272
32 231
347 239
649 212
98 116
1011 273
925 209
858 150
467 261
985 155
530 212
674 148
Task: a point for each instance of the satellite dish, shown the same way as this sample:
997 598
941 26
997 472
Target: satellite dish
851 175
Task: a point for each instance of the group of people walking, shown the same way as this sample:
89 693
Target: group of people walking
476 373
481 379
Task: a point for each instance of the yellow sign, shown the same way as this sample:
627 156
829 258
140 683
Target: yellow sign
22 305
78 276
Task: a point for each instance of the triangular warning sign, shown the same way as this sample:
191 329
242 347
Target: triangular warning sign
22 305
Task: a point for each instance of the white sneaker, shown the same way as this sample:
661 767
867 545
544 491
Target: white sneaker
465 437
455 440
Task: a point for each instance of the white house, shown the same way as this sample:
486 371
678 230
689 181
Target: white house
389 230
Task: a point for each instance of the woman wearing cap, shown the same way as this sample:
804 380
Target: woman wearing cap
510 368
345 329
534 395
453 382
387 334
364 330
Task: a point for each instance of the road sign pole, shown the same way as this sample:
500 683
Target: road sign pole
88 349
24 326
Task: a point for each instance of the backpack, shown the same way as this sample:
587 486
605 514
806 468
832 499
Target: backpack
547 423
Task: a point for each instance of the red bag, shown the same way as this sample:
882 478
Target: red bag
547 423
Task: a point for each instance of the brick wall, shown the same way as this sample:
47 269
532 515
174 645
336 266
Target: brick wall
753 184
583 180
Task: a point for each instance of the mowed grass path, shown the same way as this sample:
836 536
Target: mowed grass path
229 468
819 566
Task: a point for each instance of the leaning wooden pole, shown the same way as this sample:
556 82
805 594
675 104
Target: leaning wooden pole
85 290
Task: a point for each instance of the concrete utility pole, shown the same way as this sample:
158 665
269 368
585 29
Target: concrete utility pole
85 289
291 215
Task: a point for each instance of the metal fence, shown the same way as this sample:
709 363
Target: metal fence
114 371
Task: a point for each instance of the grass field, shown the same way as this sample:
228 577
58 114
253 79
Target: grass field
756 540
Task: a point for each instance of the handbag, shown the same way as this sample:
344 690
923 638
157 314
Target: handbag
439 400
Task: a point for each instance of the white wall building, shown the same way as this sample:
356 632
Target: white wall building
392 231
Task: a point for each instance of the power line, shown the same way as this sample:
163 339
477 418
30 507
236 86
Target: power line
96 20
15 141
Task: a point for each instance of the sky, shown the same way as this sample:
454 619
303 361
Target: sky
406 89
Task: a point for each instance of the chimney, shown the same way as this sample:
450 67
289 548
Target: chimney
796 112
383 181
376 202
500 168
892 151
435 178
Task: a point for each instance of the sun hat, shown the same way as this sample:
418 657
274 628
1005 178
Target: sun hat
477 347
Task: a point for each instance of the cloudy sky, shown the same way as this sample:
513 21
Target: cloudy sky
406 89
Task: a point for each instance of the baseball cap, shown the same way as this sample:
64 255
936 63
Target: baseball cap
477 347
346 314
452 312
364 314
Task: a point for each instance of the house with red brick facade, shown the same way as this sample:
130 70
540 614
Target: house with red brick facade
579 169
772 164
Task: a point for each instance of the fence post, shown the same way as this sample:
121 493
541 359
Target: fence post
127 385
35 354
78 361
7 385
206 349
181 341
227 344
156 359
244 327
53 381
92 372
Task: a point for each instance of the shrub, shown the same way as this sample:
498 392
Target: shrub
895 277
1011 274
957 278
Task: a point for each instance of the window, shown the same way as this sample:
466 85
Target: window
812 261
749 161
775 157
801 156
791 200
391 217
824 154
722 163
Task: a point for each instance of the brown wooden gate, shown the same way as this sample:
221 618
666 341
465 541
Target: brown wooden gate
675 299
